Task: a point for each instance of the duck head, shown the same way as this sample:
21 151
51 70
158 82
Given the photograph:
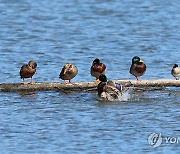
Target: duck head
32 64
136 59
68 67
103 78
96 61
175 65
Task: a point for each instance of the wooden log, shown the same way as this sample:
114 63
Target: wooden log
150 83
47 86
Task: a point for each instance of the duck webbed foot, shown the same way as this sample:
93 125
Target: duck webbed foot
97 81
32 82
25 83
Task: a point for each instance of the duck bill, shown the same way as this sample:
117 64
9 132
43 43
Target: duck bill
65 71
141 61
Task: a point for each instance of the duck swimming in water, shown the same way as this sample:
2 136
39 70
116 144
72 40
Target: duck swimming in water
27 71
68 72
175 71
97 68
108 90
138 67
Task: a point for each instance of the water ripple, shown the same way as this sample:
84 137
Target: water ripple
57 32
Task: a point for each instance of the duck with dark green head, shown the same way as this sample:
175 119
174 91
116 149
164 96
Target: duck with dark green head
138 67
108 90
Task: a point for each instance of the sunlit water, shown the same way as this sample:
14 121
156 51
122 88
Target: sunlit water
55 32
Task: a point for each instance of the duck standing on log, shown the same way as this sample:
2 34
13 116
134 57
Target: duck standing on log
175 71
27 71
138 67
68 72
108 90
97 69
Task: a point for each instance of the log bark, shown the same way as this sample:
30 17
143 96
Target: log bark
57 86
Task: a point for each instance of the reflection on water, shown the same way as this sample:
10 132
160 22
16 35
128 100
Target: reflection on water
28 94
57 32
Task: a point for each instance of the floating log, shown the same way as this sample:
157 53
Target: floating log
58 86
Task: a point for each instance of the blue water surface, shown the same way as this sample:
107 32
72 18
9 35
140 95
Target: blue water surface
56 32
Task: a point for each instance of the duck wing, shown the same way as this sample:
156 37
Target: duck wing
26 71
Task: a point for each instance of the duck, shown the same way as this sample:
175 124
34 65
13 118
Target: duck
97 68
138 67
27 71
108 90
68 72
175 71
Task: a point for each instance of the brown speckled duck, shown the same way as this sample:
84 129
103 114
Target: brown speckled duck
68 72
28 70
108 90
175 71
97 68
138 67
